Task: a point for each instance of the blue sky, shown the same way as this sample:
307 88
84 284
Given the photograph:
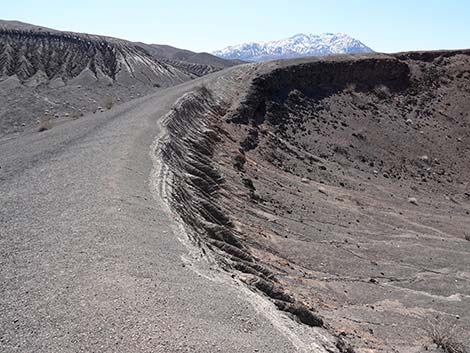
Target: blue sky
205 25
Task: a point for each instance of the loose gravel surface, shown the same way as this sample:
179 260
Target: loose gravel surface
92 261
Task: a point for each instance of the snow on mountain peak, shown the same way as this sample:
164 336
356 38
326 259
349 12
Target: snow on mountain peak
298 45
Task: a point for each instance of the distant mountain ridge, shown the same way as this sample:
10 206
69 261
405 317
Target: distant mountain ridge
296 46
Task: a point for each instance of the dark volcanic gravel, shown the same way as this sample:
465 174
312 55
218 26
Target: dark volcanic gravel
341 185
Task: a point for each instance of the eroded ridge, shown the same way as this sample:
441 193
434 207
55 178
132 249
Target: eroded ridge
196 188
66 55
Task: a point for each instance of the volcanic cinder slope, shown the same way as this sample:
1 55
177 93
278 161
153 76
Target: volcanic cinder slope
54 76
339 188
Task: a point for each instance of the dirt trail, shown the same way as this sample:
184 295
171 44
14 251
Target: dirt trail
91 261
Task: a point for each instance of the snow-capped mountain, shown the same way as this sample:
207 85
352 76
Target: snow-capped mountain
297 46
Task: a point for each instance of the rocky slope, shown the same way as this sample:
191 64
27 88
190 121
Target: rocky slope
338 187
36 57
49 75
52 75
300 45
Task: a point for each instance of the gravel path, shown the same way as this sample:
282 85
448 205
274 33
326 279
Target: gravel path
91 261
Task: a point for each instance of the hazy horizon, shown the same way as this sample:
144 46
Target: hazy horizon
210 25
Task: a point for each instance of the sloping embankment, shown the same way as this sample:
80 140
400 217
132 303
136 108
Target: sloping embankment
196 184
310 177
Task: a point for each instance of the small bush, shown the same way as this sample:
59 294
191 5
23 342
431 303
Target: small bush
350 88
108 103
203 90
45 124
446 338
76 114
382 91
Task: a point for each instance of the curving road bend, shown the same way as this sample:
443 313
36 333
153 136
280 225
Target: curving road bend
91 261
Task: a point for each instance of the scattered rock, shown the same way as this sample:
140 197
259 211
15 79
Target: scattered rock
424 158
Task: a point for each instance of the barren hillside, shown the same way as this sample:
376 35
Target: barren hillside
56 76
338 187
